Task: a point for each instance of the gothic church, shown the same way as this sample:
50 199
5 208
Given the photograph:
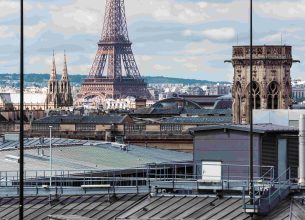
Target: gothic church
59 91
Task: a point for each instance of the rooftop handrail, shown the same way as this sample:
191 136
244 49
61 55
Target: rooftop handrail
285 183
180 172
281 175
146 166
271 171
271 195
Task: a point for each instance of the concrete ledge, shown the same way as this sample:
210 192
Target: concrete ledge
107 186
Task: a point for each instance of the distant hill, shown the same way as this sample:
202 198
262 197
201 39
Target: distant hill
40 80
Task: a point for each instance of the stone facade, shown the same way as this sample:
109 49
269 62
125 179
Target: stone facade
59 91
271 79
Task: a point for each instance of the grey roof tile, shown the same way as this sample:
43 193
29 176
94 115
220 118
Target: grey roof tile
142 206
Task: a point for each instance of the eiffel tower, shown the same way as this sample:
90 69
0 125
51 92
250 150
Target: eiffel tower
114 72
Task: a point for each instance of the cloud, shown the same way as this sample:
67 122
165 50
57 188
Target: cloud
11 7
33 30
6 32
217 34
143 58
220 34
77 16
291 29
282 9
159 67
189 12
8 8
191 66
272 38
205 48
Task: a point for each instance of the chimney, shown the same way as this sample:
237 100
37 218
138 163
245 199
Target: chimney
302 150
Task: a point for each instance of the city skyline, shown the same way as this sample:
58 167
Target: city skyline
172 37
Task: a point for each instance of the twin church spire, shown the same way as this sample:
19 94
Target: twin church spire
59 91
64 75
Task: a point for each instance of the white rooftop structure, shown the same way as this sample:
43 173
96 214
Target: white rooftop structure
286 117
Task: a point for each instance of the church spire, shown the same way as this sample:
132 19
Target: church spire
53 74
65 69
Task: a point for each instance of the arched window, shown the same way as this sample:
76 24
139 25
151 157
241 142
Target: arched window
273 95
256 96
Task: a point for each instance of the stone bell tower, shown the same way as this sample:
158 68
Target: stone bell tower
271 79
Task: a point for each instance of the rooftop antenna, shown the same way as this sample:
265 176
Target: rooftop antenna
21 135
251 191
237 39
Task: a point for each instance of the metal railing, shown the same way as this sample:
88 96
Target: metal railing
166 175
269 193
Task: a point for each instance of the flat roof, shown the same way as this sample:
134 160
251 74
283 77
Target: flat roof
257 128
197 120
71 154
98 119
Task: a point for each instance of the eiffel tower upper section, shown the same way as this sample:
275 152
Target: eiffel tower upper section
114 47
114 73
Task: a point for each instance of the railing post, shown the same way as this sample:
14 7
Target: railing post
228 177
269 196
36 179
248 179
68 177
148 178
61 178
173 180
137 184
289 176
244 199
84 179
175 171
259 193
194 171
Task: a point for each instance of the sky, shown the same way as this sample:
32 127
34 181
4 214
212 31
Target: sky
174 38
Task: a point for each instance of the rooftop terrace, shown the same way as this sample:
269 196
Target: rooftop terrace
71 154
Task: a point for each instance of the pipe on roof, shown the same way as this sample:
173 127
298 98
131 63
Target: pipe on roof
302 150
